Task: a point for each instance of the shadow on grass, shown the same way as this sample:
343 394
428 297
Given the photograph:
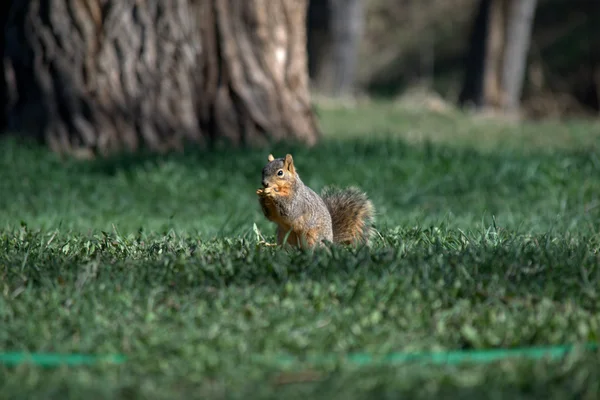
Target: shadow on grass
409 184
398 173
373 162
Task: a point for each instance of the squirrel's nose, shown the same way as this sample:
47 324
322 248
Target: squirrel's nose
265 183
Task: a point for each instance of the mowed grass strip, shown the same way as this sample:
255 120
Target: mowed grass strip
156 257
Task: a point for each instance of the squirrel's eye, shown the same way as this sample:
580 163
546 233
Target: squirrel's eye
280 172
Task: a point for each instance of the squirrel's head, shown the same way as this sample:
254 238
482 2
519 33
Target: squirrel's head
279 172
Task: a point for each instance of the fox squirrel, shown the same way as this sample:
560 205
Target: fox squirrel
307 219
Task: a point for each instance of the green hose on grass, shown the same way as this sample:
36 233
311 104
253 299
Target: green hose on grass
362 359
56 359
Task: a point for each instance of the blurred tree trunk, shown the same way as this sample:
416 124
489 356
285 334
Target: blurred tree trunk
99 76
4 8
497 59
472 90
319 42
335 28
495 42
592 95
518 37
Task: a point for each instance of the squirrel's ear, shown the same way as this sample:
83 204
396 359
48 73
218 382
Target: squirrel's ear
270 158
289 163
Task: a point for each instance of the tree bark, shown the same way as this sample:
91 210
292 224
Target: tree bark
346 32
335 31
98 76
498 54
518 36
494 54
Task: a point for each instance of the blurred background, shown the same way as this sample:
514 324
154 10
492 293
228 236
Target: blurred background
103 75
465 52
476 106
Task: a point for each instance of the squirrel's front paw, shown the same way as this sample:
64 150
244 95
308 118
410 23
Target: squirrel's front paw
265 192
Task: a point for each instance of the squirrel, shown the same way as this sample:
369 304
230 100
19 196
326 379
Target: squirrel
306 219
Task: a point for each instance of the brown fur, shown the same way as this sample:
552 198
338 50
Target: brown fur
284 189
312 236
351 215
282 185
288 163
284 230
268 206
340 216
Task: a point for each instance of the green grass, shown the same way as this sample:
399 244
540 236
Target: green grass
489 239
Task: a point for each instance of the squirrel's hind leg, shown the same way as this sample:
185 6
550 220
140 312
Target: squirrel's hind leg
287 236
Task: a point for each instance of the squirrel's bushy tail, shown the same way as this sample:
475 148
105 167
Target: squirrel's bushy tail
352 214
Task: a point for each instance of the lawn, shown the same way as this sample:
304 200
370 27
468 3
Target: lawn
488 238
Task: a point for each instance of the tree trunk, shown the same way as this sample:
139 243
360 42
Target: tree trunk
99 76
4 8
335 31
318 25
498 54
495 42
472 93
346 32
518 36
591 97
